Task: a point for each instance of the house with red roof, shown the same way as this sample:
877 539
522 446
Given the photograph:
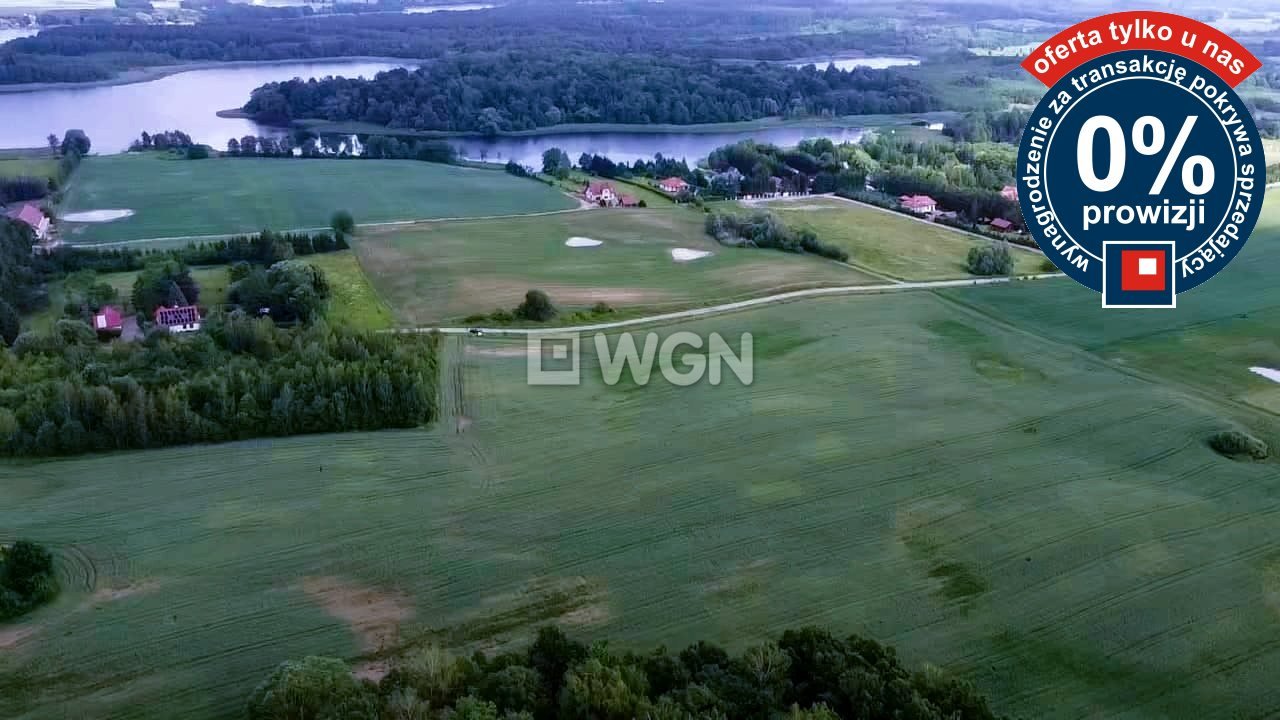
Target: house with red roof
31 215
108 321
1010 193
628 200
1002 225
600 193
672 185
918 204
180 319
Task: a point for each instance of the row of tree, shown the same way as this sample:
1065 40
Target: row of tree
264 248
763 229
805 674
522 90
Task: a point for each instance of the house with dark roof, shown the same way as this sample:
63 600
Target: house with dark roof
1002 225
30 214
180 319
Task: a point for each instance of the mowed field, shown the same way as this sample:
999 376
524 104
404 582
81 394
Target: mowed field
443 271
1008 507
183 198
889 243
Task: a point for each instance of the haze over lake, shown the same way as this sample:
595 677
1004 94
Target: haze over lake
114 115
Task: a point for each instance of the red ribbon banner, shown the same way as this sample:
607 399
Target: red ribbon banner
1141 30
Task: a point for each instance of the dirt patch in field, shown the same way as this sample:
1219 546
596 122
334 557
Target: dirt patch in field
106 594
375 616
373 670
11 636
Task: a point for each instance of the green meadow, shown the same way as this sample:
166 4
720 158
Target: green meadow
173 197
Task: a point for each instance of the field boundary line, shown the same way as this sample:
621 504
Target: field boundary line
736 306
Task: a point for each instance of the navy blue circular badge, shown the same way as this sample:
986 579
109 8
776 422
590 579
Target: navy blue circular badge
1141 175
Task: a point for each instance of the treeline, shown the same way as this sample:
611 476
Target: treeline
753 168
523 90
308 145
266 247
63 393
1005 126
96 51
163 140
805 674
70 150
962 177
763 229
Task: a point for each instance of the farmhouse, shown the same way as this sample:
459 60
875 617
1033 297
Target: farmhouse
600 193
628 201
918 204
108 321
672 185
1001 225
184 318
31 215
1010 193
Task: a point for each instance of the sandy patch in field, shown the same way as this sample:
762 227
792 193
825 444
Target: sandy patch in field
685 254
374 616
102 595
11 636
97 216
1268 373
582 242
373 671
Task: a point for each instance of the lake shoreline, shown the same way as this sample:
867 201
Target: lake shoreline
156 72
847 122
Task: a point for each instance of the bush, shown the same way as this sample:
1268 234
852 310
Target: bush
536 307
342 223
27 578
764 229
303 690
1046 265
1236 443
991 259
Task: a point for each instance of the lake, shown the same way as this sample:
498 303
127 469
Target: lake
632 146
114 115
875 63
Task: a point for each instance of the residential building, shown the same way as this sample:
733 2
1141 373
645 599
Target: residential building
628 201
31 215
600 193
1002 225
672 185
184 318
108 321
1009 192
918 204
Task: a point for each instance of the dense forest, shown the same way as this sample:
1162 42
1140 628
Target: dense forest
805 674
524 90
62 392
96 51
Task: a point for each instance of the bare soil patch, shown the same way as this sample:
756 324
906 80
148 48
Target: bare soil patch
375 616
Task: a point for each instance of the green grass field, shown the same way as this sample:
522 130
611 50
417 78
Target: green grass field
43 167
435 272
1001 505
354 300
181 198
888 243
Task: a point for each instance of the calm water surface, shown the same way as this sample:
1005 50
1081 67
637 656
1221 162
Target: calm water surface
115 115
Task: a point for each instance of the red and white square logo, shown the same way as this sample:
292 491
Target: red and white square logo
1142 270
